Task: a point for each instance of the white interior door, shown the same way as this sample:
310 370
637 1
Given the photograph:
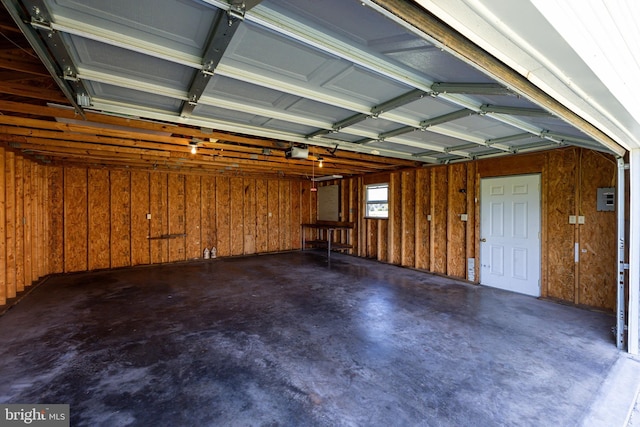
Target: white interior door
510 233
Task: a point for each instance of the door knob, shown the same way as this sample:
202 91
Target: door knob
483 240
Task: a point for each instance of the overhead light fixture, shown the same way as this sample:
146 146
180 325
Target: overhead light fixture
320 160
194 145
326 178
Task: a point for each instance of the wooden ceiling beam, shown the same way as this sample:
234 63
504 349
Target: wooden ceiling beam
234 147
151 167
385 162
31 92
52 139
22 64
53 145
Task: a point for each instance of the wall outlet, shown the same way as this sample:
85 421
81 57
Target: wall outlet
581 219
464 217
572 219
148 216
428 217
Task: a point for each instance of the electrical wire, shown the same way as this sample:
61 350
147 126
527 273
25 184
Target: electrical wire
17 45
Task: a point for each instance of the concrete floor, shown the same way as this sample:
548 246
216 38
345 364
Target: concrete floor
289 339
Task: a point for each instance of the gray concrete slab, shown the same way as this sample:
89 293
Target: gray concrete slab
289 339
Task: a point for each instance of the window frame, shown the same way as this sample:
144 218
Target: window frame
368 202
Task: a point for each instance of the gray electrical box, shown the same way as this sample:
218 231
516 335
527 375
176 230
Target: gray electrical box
607 199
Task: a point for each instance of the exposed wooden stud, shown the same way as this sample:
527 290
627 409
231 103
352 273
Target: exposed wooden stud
120 218
75 219
28 223
3 232
99 215
284 211
193 244
422 213
408 224
55 224
295 217
208 213
177 215
394 223
223 216
383 240
10 223
140 225
438 231
236 221
19 221
262 216
472 219
273 209
43 229
456 227
249 216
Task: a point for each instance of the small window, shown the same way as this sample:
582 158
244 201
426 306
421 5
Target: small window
377 198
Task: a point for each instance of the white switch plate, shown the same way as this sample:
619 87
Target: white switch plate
581 219
428 217
572 219
464 217
148 216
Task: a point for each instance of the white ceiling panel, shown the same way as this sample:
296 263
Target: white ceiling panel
93 55
181 25
119 94
319 71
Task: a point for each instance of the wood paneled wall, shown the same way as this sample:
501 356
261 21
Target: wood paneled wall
426 229
23 224
117 218
56 220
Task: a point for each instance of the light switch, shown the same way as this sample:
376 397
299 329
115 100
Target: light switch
464 217
148 216
572 219
581 219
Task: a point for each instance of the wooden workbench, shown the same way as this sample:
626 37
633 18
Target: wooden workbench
326 241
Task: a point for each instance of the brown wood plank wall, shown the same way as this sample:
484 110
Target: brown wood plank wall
595 279
106 222
561 272
24 240
56 220
427 230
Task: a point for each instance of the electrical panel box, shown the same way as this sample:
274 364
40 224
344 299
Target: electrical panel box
606 199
